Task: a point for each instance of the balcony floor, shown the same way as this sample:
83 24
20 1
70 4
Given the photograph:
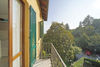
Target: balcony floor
43 63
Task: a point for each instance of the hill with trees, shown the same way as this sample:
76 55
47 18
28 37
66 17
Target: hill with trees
87 35
70 42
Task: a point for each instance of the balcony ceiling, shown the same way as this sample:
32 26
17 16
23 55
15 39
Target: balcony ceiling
44 8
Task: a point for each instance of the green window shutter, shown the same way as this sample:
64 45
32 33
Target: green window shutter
41 29
32 36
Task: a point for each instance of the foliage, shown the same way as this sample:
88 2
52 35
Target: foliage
78 63
77 50
66 26
46 50
63 40
87 21
96 25
87 34
95 63
43 53
83 60
84 41
67 41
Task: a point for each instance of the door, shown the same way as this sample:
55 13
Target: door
32 36
15 33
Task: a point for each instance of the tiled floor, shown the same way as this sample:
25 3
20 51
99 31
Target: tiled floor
4 62
42 63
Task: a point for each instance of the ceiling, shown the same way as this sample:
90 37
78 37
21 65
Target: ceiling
3 7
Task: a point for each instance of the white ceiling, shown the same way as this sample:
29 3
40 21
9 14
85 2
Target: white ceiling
3 7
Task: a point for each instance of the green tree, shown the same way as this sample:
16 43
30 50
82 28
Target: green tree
67 26
80 24
84 41
63 40
77 50
96 25
89 30
87 21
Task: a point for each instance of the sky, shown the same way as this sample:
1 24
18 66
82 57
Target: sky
71 12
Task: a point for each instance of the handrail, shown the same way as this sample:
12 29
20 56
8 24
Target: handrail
56 59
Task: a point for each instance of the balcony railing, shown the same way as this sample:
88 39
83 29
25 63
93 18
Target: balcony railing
56 59
52 53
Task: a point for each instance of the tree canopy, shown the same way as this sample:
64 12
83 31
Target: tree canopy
88 33
63 40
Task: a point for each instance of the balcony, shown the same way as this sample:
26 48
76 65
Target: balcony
50 59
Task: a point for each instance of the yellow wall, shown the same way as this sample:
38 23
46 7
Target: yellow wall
26 35
36 7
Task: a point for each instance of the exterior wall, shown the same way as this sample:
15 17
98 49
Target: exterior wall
26 36
26 43
35 5
25 54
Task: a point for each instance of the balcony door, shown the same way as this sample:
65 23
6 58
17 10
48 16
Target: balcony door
15 33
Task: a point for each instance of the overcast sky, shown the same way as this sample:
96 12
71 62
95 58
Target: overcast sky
71 11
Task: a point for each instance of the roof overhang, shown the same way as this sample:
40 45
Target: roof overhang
44 8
